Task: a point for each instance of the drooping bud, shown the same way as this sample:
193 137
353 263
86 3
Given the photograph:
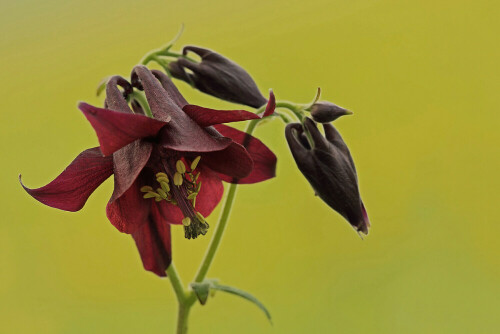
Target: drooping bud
329 168
326 112
218 76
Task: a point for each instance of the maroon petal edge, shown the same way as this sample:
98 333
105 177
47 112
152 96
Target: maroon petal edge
153 241
211 191
71 189
264 160
207 117
130 211
271 104
116 129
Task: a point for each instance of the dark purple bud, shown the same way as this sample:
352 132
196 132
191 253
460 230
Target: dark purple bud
326 112
218 76
329 168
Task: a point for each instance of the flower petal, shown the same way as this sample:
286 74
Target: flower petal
116 129
128 212
210 192
128 163
234 161
172 214
264 160
334 137
207 117
114 97
182 133
71 189
320 143
191 139
159 99
365 224
153 241
271 104
171 89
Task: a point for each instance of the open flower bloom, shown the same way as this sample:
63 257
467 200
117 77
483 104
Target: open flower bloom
329 168
167 169
218 76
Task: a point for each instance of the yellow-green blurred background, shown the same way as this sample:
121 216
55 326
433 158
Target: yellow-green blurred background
422 79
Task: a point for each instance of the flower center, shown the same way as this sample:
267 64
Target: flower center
179 186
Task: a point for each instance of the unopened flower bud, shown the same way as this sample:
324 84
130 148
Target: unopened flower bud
218 76
329 168
326 112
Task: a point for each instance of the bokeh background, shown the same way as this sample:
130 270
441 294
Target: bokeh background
422 80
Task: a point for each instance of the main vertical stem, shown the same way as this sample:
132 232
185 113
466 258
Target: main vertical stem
182 299
182 318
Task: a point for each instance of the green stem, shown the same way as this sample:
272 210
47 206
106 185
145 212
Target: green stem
297 110
217 237
184 301
182 318
221 225
176 282
139 97
153 55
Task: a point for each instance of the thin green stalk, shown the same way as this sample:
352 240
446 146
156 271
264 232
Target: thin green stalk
184 303
219 232
139 97
176 282
292 107
221 225
299 113
153 55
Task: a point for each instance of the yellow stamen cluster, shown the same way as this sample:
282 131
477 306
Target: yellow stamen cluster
181 177
162 193
189 186
188 178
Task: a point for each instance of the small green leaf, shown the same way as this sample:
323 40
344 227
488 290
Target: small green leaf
201 290
243 294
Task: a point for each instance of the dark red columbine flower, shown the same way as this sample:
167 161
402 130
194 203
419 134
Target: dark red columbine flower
167 169
218 76
329 168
